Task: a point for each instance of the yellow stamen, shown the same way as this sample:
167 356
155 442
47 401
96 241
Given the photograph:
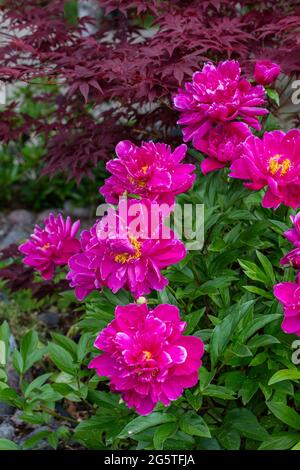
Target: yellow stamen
44 248
139 184
285 166
147 355
145 168
275 166
125 257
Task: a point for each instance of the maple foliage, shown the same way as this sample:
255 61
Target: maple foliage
117 81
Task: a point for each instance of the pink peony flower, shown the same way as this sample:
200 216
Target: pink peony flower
146 356
266 72
292 259
151 170
293 234
218 94
51 246
222 145
119 256
273 161
288 294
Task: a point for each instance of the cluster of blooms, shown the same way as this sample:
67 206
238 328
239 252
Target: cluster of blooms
217 109
146 356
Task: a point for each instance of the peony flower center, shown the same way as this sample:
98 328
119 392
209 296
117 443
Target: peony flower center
138 183
275 165
145 168
126 257
46 246
147 355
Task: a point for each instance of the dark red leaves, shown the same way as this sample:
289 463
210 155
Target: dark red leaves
128 68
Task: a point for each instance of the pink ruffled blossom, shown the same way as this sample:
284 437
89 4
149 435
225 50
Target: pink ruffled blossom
146 356
273 161
266 72
293 234
218 94
152 171
119 257
222 145
288 294
51 246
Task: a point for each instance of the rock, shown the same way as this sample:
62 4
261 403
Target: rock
6 410
79 212
16 418
21 217
3 297
51 319
6 430
15 235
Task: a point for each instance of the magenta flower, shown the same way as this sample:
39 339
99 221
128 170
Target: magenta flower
146 356
273 161
288 294
121 257
51 246
266 72
222 145
293 234
152 171
218 94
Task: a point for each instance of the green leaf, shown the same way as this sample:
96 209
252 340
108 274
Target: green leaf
229 439
216 391
82 347
256 324
17 362
194 425
268 268
162 433
6 444
141 423
280 442
29 344
66 343
285 414
273 95
36 384
225 330
253 272
285 374
246 423
62 358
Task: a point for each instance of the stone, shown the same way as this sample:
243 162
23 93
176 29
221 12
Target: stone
77 212
6 430
51 319
6 410
15 235
21 217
